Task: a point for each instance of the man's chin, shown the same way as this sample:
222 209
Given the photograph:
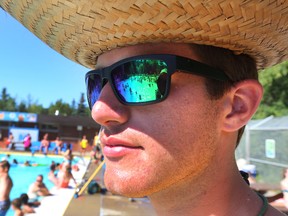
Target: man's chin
124 187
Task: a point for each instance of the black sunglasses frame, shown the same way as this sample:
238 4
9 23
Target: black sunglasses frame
174 63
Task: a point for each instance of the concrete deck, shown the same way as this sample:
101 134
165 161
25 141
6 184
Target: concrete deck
107 204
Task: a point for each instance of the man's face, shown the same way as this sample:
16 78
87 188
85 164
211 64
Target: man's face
39 180
150 148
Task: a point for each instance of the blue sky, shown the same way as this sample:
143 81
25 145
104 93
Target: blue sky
30 68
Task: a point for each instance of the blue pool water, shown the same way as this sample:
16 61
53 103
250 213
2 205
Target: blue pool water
23 176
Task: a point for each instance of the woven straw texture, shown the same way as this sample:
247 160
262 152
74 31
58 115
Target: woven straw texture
83 29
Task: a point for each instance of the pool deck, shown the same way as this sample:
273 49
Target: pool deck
60 199
107 204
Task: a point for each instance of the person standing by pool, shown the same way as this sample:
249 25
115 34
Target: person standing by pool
27 142
58 145
44 144
6 185
83 145
68 156
10 141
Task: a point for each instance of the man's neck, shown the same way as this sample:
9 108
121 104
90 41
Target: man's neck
221 195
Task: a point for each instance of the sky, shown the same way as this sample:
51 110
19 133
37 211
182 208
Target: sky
31 69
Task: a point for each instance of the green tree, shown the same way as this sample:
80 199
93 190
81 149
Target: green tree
4 98
38 109
22 107
74 107
7 103
275 98
82 109
60 108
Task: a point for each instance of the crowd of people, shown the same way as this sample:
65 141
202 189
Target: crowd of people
59 148
10 142
59 175
45 144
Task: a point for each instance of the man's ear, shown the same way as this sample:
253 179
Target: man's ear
241 103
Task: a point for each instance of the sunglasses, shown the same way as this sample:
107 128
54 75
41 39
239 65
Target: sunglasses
145 79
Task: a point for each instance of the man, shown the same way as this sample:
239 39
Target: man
172 112
58 145
6 185
38 189
44 144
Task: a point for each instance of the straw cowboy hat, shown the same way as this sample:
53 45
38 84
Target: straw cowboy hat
83 29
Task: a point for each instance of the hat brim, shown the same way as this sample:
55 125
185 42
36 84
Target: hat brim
82 30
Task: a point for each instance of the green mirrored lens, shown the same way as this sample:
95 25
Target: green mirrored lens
141 81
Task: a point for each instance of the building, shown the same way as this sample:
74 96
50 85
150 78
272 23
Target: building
68 128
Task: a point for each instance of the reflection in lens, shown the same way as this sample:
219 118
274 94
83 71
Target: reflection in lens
93 88
137 81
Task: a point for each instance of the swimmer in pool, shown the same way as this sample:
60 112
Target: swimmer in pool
38 188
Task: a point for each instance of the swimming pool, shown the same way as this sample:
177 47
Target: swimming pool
23 176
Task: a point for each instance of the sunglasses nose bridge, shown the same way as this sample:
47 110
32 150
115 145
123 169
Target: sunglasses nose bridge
104 73
104 81
103 76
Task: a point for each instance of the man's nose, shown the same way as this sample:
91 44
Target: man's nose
108 109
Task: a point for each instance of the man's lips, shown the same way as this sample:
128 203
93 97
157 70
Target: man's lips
113 147
119 150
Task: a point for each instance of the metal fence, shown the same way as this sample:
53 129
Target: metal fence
265 145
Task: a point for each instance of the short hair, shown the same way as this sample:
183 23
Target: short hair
52 167
5 164
24 198
41 176
236 67
68 167
17 203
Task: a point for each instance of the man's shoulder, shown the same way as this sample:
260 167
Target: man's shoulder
6 178
10 179
31 186
271 211
43 185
